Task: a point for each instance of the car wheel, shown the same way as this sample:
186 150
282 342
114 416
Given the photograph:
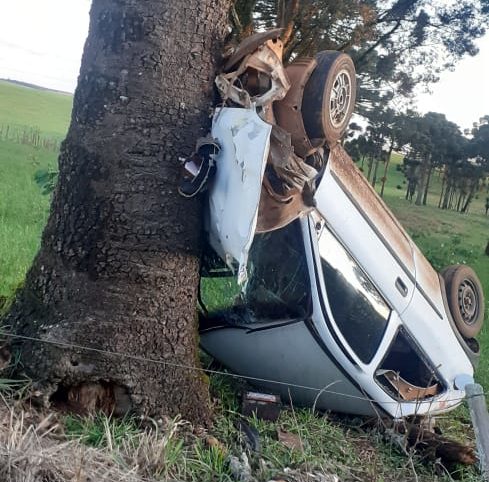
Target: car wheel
465 299
329 96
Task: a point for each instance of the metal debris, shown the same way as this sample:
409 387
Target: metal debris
200 167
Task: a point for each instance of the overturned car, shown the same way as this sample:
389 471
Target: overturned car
310 287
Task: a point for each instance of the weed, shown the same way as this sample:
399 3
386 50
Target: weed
208 464
100 430
46 179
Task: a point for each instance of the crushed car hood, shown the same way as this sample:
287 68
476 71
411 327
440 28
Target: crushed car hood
235 192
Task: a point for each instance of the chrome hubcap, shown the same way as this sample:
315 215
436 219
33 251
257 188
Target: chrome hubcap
339 103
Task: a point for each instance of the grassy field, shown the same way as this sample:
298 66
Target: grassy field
45 110
446 237
23 210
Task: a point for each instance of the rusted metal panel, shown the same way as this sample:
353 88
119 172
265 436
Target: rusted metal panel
288 110
259 60
371 204
407 390
250 44
428 279
276 211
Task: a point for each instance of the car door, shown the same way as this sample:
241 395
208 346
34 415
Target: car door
368 230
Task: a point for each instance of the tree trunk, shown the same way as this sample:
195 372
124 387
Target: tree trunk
459 202
370 165
446 195
442 192
423 178
452 197
427 185
470 196
286 13
243 17
118 266
374 176
386 167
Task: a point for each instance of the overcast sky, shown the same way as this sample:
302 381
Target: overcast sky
41 42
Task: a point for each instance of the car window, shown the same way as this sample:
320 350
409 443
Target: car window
278 281
405 372
358 309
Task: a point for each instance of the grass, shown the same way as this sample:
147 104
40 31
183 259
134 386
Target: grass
45 110
148 450
99 430
349 447
447 237
23 208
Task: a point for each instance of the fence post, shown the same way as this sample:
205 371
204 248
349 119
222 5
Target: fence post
480 421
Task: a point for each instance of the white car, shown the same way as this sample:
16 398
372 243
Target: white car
325 299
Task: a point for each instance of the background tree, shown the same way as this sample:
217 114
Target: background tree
118 266
387 40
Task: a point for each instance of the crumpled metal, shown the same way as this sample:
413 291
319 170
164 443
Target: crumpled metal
265 61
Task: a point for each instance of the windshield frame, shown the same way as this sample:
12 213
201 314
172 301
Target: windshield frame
317 224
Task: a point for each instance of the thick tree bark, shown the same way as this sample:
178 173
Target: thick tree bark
118 266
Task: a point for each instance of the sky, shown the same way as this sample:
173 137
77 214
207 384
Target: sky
41 42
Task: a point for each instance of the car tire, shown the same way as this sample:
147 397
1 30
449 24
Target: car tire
329 96
465 299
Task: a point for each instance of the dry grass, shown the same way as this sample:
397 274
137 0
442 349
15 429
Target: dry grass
34 449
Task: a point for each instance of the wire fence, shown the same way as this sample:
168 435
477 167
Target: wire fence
27 135
209 371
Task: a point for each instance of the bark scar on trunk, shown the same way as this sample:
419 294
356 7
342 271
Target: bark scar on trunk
91 397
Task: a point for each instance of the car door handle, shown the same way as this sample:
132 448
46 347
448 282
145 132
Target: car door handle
401 287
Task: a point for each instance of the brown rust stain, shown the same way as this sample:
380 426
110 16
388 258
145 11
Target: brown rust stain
407 390
250 44
275 210
381 216
288 110
371 204
428 278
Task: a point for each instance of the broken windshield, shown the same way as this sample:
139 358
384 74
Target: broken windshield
278 281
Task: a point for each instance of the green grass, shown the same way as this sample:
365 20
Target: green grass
23 208
447 237
100 430
35 108
349 447
341 445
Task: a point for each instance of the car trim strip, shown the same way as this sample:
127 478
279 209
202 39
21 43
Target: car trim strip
325 313
426 297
